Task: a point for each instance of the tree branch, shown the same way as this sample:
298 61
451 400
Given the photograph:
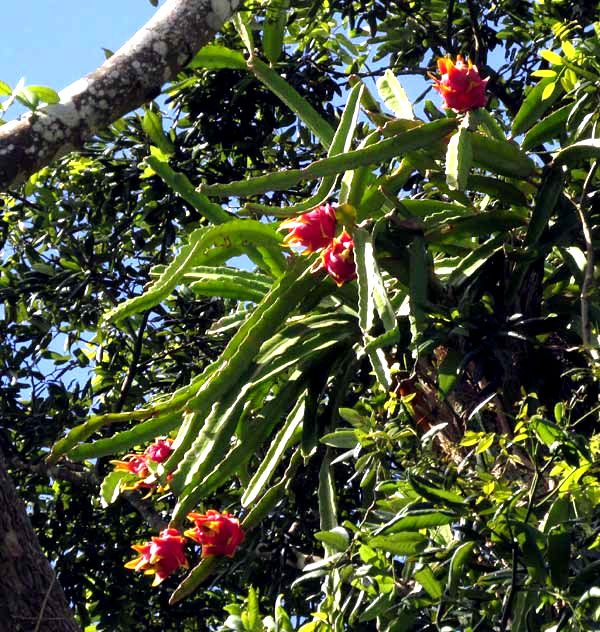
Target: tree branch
78 475
43 606
131 77
28 591
449 20
588 273
480 50
133 367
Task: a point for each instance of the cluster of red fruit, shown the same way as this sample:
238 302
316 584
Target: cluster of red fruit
217 533
315 231
138 464
220 534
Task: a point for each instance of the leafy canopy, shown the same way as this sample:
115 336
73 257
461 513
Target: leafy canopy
412 450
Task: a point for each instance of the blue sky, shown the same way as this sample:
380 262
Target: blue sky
55 42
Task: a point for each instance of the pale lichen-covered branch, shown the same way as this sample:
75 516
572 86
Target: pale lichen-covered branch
131 77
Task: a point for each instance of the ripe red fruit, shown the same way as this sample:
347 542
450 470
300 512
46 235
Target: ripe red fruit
313 230
338 259
160 557
219 534
460 85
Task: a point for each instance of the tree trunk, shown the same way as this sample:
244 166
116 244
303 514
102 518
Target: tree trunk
132 76
31 600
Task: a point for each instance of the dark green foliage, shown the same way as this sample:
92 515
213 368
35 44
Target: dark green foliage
413 451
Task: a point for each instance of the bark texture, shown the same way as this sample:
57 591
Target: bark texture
131 77
30 597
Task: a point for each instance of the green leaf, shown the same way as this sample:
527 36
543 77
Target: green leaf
460 557
534 107
583 150
448 371
111 486
435 494
282 620
241 22
501 157
547 197
427 579
402 543
568 49
141 433
183 187
215 57
485 443
417 138
548 91
568 79
340 439
384 340
377 607
548 128
152 125
393 95
253 610
298 104
558 514
458 160
24 97
531 545
195 253
283 440
5 89
559 541
501 189
326 495
199 574
418 285
552 57
42 93
547 432
228 283
485 119
417 519
274 29
544 72
337 538
352 417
